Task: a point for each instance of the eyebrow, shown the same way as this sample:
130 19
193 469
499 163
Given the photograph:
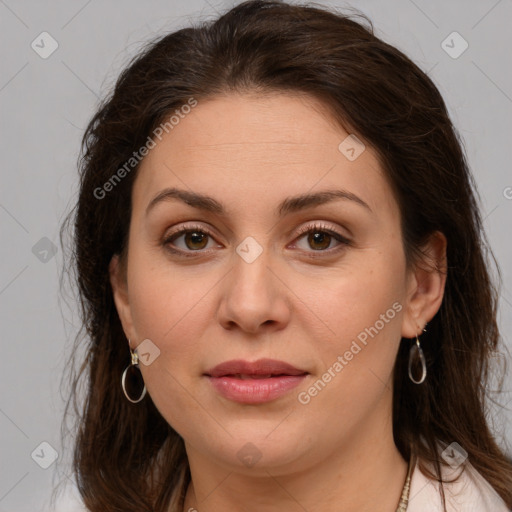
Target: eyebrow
288 205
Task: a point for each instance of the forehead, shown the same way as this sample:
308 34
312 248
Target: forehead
249 148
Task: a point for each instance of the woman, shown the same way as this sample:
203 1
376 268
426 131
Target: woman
279 256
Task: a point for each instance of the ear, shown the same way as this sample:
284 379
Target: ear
119 285
426 282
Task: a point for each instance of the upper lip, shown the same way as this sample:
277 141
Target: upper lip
259 367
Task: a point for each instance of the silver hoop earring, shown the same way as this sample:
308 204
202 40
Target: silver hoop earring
134 374
414 353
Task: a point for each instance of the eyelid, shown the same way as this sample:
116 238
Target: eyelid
182 229
320 226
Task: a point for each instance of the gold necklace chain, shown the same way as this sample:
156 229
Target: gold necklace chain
404 499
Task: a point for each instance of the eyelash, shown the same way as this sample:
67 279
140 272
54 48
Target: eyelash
312 228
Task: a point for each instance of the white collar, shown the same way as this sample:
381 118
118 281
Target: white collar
469 493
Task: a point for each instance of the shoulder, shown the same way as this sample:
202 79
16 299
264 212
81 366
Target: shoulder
470 492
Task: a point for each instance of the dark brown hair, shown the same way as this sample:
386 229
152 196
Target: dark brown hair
384 98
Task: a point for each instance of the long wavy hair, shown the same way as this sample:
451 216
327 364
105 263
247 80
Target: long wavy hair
126 457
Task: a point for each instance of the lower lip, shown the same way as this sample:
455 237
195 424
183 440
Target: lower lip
255 391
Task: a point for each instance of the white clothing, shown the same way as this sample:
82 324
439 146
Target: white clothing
470 493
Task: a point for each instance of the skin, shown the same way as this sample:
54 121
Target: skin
250 152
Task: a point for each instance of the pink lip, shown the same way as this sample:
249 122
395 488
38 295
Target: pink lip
226 379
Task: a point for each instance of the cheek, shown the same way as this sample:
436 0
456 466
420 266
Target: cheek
167 308
357 296
163 296
363 310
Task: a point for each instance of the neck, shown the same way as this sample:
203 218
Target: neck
365 473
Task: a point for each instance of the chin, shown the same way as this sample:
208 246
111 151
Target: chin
258 449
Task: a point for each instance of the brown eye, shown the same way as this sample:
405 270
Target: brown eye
319 240
195 240
320 237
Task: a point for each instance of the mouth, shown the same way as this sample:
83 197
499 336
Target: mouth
242 376
255 382
260 369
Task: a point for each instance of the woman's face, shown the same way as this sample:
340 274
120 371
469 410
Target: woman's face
248 283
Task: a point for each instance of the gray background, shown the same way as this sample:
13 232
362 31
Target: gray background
45 104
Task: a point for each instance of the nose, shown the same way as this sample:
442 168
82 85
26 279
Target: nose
254 297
